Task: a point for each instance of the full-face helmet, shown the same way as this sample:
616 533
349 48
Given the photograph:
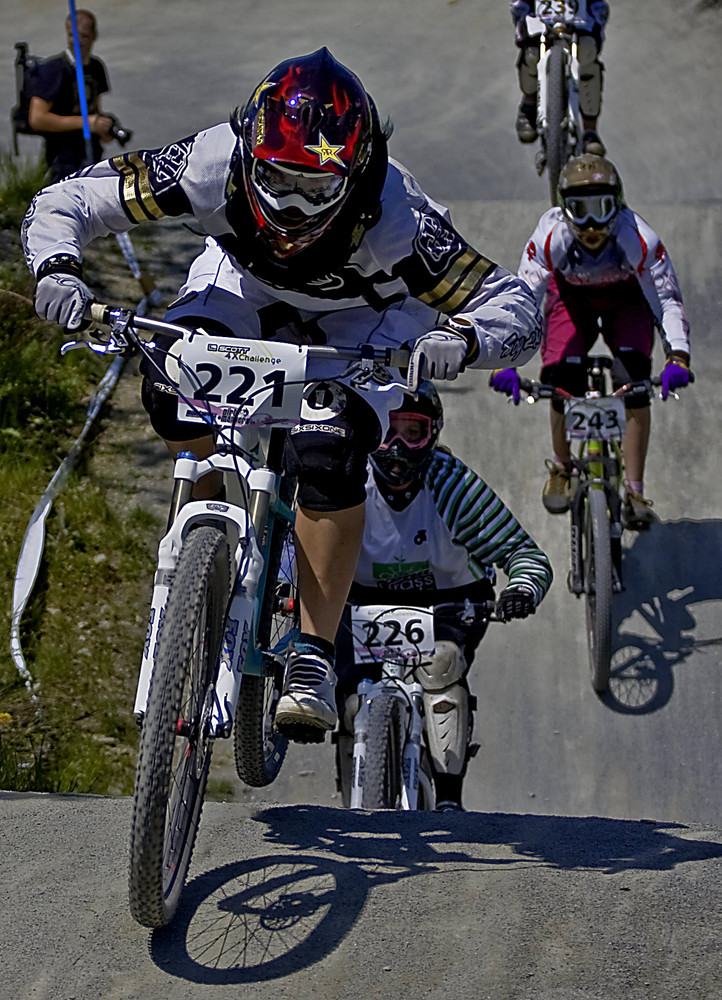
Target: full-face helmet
590 195
306 139
414 428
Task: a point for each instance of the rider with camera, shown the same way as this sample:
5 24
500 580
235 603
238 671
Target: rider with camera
54 110
598 267
588 20
434 533
313 235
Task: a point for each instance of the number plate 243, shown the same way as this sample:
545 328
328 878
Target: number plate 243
595 419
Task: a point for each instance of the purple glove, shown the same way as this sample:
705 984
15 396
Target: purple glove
519 10
674 376
506 380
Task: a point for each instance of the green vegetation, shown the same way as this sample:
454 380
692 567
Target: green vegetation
83 630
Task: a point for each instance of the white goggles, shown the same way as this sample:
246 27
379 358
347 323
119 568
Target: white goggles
590 210
283 187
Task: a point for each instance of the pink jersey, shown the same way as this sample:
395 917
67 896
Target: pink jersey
633 250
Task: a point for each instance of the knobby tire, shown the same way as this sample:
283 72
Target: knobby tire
175 749
556 139
383 778
259 748
598 587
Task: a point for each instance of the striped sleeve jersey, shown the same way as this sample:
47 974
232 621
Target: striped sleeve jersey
454 532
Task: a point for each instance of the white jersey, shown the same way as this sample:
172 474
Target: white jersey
411 272
632 252
454 532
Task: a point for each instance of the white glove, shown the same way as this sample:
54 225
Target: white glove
62 298
438 354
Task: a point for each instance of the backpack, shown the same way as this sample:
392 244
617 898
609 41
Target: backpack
26 66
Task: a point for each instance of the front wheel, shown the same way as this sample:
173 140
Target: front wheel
383 780
598 586
175 745
556 139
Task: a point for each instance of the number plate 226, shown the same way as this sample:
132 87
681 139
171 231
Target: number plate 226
383 632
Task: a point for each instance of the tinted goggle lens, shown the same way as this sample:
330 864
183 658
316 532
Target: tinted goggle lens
590 210
412 429
280 182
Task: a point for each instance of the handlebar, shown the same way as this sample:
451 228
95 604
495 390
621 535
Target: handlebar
124 325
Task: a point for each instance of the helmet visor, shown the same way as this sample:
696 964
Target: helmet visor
415 430
283 188
590 210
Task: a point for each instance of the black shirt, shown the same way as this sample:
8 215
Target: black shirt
55 82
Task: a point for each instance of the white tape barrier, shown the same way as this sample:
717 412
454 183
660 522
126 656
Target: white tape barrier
32 548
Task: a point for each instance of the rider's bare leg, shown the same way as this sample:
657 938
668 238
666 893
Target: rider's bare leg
562 452
328 544
210 485
636 441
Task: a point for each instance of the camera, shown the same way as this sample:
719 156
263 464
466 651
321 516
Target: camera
121 135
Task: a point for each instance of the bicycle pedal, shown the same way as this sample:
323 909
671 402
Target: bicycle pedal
300 732
473 749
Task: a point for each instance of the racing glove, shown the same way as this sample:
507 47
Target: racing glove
514 603
506 380
61 295
675 374
442 353
599 9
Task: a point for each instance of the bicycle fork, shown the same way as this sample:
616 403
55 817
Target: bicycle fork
411 759
238 652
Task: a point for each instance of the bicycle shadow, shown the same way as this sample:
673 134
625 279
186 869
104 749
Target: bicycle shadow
668 571
266 918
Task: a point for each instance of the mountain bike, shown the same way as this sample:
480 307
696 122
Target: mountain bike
559 120
391 767
596 424
224 607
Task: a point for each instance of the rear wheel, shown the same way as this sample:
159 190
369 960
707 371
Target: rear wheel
556 139
259 748
598 587
384 748
175 745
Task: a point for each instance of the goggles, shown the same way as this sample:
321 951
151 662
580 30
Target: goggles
590 210
283 187
415 430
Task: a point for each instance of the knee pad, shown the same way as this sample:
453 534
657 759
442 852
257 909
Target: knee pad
448 728
527 64
328 450
446 667
446 708
161 404
569 374
631 365
590 77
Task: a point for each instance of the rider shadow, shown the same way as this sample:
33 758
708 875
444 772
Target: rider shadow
267 918
668 570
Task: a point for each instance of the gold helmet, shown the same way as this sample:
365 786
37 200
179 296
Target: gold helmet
590 191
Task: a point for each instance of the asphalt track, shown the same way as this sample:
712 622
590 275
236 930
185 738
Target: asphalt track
589 862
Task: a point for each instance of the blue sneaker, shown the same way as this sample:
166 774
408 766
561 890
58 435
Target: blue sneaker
306 710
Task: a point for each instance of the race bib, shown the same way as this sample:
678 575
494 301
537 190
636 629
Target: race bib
552 11
595 419
229 381
395 633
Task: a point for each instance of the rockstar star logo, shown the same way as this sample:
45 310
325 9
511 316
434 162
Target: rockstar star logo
325 151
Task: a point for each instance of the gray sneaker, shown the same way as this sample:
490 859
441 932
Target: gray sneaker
307 708
638 514
557 492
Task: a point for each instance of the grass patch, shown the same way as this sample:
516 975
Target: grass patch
83 630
